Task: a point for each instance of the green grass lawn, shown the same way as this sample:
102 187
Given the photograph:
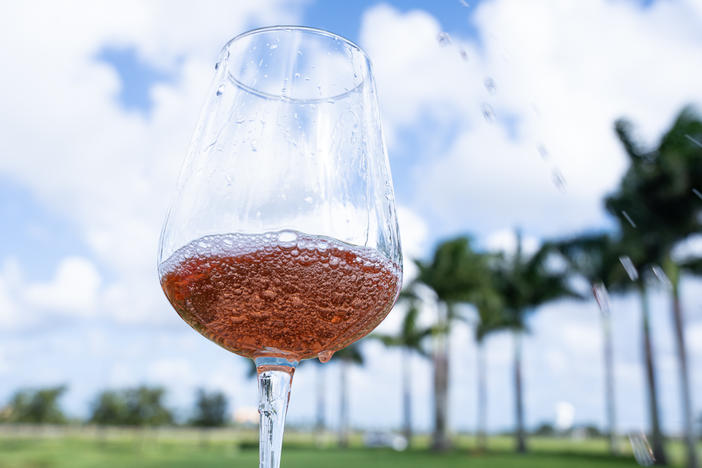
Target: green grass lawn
137 450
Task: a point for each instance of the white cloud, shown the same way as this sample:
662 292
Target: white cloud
73 289
505 240
559 83
109 171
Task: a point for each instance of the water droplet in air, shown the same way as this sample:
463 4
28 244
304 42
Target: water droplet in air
490 85
629 267
661 276
602 297
220 90
697 192
628 218
558 179
689 137
641 449
488 112
543 151
443 38
325 356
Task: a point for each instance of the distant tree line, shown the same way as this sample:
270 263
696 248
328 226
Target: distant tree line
141 406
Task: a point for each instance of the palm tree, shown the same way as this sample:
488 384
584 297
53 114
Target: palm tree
659 194
409 338
490 319
595 257
347 356
525 283
455 273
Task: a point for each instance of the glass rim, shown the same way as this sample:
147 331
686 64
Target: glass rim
304 29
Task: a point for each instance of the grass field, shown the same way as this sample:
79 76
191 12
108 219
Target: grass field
136 449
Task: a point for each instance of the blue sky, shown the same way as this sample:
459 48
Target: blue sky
90 158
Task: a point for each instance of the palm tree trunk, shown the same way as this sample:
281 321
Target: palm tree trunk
519 398
656 434
441 441
599 291
406 395
343 406
321 401
678 321
482 398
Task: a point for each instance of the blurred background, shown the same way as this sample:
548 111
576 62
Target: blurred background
503 121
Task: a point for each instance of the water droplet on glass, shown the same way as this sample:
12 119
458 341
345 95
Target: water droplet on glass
628 218
253 146
297 75
299 52
488 112
273 46
641 449
217 66
661 276
220 90
602 297
443 38
325 356
308 200
463 54
698 193
689 137
490 85
629 267
558 179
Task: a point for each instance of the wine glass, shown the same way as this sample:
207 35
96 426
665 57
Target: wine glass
282 241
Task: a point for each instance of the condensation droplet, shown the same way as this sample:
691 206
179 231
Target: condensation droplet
273 46
297 75
443 38
490 85
629 267
689 137
220 90
325 356
488 112
217 66
628 218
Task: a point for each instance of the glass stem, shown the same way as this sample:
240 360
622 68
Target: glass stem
274 380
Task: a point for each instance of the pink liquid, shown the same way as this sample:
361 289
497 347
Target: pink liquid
280 294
